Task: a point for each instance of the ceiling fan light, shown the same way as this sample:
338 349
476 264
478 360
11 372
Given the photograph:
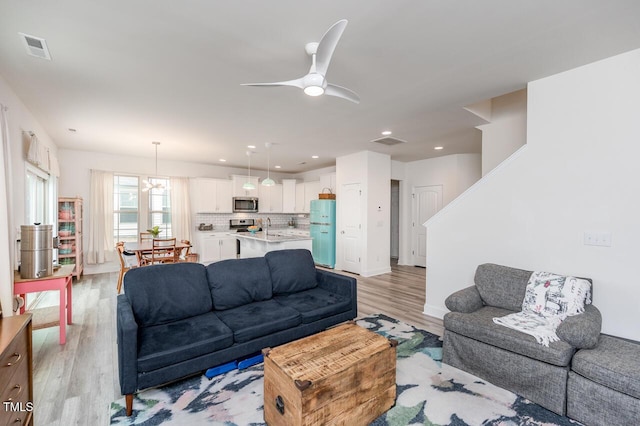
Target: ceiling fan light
268 182
314 90
248 185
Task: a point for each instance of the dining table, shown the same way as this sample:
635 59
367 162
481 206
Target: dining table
143 248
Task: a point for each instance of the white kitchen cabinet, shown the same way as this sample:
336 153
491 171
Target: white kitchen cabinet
311 191
210 195
239 191
224 196
305 192
213 247
270 199
299 197
288 195
328 181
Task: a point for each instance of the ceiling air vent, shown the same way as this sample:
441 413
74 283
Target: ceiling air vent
388 141
35 46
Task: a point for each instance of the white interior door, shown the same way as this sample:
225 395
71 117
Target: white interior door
349 236
427 200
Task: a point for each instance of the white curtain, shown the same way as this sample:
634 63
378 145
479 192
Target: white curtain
7 244
180 209
101 244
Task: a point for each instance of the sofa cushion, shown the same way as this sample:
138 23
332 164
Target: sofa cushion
167 344
479 325
614 363
237 282
160 294
258 319
291 270
502 286
315 304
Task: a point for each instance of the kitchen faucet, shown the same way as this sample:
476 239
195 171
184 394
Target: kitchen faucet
266 232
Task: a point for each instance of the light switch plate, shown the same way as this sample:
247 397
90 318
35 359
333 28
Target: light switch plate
602 239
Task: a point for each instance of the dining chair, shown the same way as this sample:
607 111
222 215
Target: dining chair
184 252
163 251
126 262
146 236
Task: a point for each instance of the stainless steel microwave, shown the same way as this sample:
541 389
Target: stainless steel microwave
245 204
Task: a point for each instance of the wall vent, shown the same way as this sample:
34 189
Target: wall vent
35 46
388 141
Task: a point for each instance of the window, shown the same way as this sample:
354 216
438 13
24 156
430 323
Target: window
125 208
35 199
160 207
41 194
135 211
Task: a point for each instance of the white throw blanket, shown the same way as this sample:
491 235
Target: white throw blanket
549 299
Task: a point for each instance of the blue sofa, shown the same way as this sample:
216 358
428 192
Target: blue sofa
176 320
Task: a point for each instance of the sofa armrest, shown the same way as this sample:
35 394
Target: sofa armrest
466 300
339 284
582 331
127 335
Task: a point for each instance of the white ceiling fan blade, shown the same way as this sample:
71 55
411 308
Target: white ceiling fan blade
342 92
328 44
294 83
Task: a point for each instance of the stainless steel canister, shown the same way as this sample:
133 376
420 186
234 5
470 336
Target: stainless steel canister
36 251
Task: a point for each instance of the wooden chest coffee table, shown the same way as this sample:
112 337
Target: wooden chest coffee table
342 376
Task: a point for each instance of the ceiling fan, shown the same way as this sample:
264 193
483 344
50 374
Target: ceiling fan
315 82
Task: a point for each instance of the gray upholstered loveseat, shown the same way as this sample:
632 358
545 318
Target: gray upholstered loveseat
509 358
179 319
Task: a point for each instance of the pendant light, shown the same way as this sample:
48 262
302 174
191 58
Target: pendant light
268 181
148 184
248 185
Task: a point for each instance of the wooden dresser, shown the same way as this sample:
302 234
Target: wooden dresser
16 370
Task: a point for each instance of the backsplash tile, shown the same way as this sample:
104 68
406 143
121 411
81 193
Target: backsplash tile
220 221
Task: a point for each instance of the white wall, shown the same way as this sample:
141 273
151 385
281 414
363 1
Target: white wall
20 120
378 222
506 131
454 172
76 167
578 172
313 175
373 172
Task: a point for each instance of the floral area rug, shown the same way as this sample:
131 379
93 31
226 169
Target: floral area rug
428 393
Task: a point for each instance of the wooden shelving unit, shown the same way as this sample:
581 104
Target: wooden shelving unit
70 233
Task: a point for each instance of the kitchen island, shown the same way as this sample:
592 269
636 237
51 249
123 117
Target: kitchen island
260 243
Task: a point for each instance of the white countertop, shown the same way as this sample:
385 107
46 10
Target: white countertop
273 237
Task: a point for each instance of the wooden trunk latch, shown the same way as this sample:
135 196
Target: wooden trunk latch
280 404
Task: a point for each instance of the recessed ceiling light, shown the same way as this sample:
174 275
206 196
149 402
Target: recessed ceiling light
278 167
251 146
222 160
386 133
437 148
314 156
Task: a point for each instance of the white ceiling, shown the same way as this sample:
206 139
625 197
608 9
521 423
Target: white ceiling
125 73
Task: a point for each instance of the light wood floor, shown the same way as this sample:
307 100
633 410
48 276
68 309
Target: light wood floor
74 383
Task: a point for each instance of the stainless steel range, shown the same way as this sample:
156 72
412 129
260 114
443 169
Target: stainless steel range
241 225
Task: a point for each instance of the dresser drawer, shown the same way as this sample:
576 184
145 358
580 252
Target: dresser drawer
21 413
17 386
14 357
